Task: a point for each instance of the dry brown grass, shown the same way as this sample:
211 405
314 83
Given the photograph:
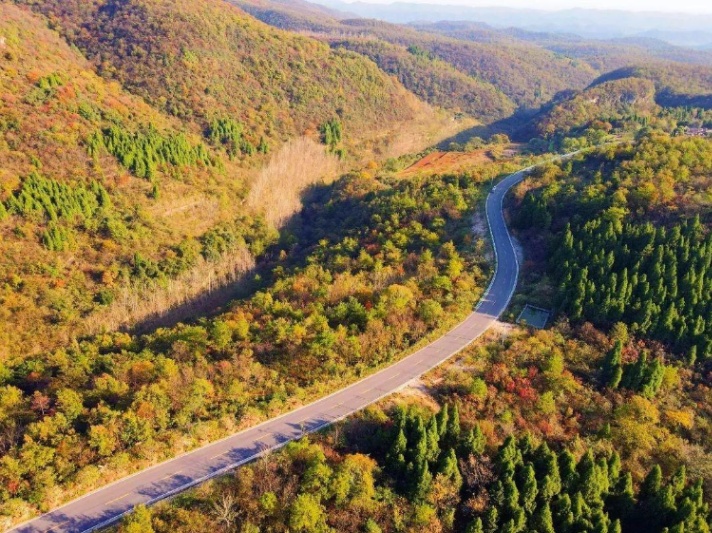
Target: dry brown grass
439 162
135 304
277 189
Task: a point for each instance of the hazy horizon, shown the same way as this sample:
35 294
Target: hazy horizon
649 6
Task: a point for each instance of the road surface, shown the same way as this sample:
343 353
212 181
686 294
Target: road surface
109 503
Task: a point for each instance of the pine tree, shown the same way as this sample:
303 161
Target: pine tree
448 468
473 442
433 440
491 520
452 428
511 495
622 501
612 371
651 484
475 526
567 469
422 481
529 489
396 454
443 419
543 521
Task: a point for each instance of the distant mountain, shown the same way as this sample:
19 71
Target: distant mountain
602 55
477 78
676 28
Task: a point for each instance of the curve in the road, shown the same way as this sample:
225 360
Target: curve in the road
109 503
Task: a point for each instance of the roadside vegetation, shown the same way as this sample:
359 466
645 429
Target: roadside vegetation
363 273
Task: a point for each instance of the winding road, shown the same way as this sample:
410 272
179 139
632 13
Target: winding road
111 502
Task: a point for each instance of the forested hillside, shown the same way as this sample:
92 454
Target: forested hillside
434 80
629 238
611 103
113 190
521 433
528 75
368 271
200 61
676 84
90 176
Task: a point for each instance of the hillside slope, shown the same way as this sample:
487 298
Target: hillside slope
528 75
115 207
199 60
610 102
90 179
676 84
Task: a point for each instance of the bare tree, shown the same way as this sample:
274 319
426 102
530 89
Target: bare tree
225 510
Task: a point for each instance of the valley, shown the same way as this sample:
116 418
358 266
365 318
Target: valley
263 267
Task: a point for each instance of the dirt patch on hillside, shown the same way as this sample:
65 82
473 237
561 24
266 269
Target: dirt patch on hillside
440 162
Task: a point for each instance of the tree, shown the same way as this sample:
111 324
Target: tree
396 454
139 521
69 402
542 521
306 514
449 468
421 481
491 520
651 484
567 469
443 419
452 428
224 510
612 370
473 442
475 526
433 440
529 489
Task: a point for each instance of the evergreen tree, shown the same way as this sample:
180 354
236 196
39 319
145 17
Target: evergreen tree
542 520
529 488
433 438
491 520
449 469
452 428
612 370
473 442
475 526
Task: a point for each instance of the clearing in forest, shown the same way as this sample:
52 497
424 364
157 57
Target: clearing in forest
439 162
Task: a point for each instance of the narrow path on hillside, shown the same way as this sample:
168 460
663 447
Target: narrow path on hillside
109 503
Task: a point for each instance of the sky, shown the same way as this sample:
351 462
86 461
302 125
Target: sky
678 6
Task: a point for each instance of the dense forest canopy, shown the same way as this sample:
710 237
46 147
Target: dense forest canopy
630 237
373 268
152 150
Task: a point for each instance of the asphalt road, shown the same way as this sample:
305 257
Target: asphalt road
109 503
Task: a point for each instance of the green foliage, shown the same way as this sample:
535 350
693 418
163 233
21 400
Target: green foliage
45 89
146 151
321 315
657 279
597 495
434 79
61 206
139 521
621 249
331 134
54 201
56 238
228 133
